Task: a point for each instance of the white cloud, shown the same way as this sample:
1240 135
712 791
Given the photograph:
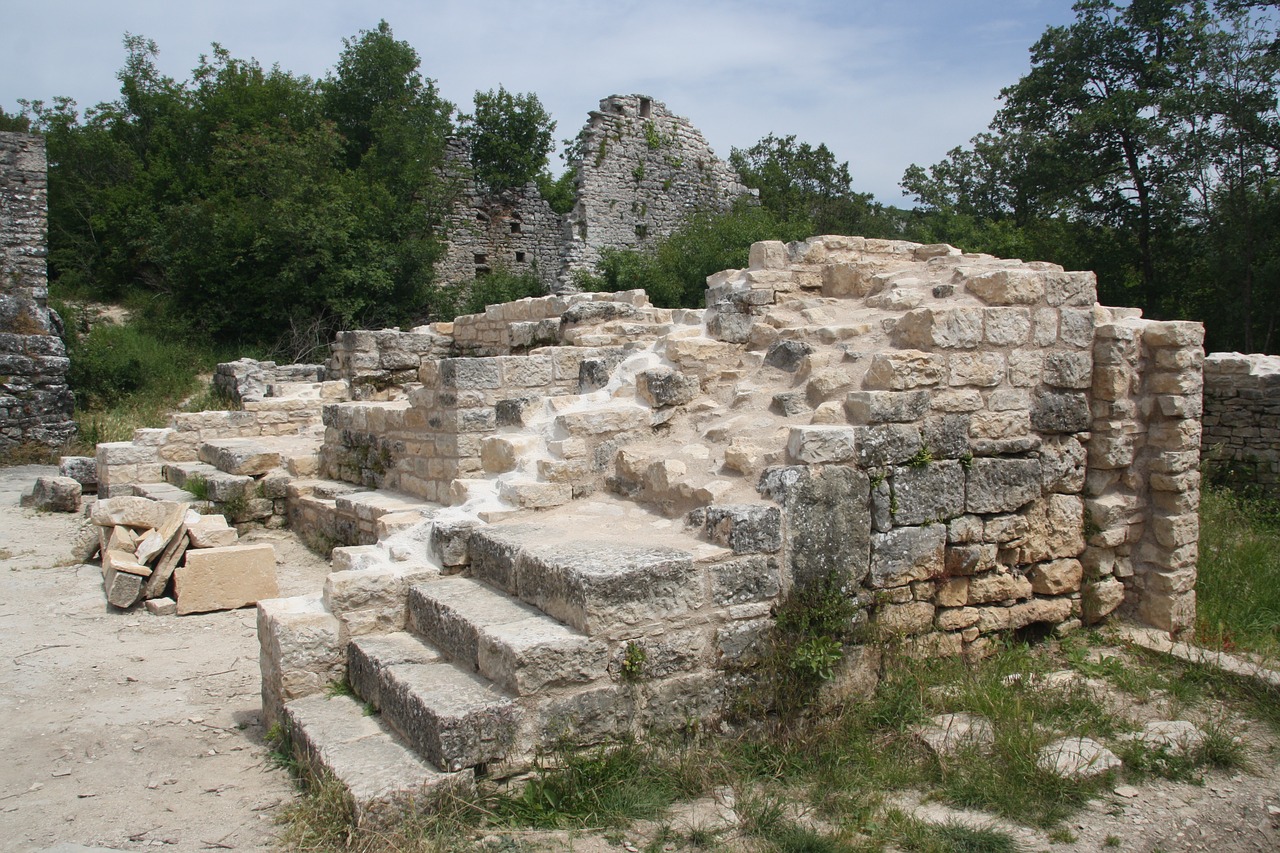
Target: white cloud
884 84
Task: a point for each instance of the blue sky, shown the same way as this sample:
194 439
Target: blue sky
884 84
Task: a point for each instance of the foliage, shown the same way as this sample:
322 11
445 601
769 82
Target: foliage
510 136
805 187
112 363
561 192
674 272
500 285
14 123
1141 145
1238 587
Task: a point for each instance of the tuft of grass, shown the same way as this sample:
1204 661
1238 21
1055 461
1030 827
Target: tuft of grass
907 833
1238 589
197 485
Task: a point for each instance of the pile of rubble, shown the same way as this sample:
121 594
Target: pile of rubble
177 560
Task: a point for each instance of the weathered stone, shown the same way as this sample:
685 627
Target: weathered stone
903 370
997 587
1006 326
1002 485
1062 464
1068 369
907 554
226 578
827 518
138 513
1077 758
1101 598
787 355
887 444
927 493
54 494
745 528
1057 577
950 734
939 328
745 580
1007 287
914 617
82 469
663 387
878 407
821 445
983 369
1060 412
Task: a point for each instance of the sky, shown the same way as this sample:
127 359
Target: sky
882 83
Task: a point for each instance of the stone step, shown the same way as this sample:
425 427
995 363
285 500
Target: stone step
335 737
257 456
163 492
217 485
456 719
584 566
513 644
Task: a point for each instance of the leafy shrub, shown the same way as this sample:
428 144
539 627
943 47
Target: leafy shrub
112 363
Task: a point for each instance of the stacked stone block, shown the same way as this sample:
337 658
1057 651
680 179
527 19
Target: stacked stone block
35 402
1241 440
378 365
250 380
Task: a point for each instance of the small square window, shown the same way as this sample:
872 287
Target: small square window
481 259
642 231
645 107
519 257
515 226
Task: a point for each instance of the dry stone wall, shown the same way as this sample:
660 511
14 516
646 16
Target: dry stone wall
35 402
1241 439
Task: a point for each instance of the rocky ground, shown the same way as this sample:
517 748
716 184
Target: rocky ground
128 731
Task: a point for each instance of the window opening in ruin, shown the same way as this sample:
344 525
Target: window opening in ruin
645 105
515 226
617 107
519 257
582 230
481 260
480 217
642 231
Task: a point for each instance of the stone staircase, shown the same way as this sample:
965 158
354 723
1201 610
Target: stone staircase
563 627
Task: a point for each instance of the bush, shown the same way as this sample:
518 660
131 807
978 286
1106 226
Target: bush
112 363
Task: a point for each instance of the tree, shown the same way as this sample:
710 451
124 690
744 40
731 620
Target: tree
800 183
510 136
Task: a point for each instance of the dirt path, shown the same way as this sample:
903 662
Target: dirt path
126 730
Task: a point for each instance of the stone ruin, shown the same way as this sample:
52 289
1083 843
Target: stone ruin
639 172
1241 439
35 402
575 516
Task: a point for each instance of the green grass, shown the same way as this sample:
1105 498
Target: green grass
1238 591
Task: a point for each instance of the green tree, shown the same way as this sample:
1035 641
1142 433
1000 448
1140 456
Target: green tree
510 136
803 184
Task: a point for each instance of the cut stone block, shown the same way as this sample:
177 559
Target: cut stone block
383 777
226 578
516 646
156 540
162 607
54 494
211 531
300 652
123 589
368 657
1002 485
454 718
138 513
165 565
241 456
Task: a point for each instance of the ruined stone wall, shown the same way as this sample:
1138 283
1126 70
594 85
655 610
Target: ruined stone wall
250 380
515 230
642 170
1241 438
35 402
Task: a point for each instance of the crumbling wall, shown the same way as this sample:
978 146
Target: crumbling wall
250 380
35 402
515 230
641 170
1241 440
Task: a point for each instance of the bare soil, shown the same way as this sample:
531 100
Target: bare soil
122 729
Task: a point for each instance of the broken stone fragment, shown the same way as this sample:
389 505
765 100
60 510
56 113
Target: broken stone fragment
210 531
663 386
1077 758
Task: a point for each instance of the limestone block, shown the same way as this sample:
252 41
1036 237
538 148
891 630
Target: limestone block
947 436
789 356
1002 485
603 421
1175 531
1173 333
210 531
998 425
768 255
501 453
1057 577
745 528
827 518
1007 287
971 559
953 592
878 407
964 530
123 561
1005 327
535 495
1060 412
928 493
113 453
821 445
1068 369
907 554
949 734
82 469
915 617
1055 529
1079 289
244 457
123 589
1077 327
225 578
743 580
300 651
957 401
139 513
1024 368
1077 758
158 539
662 387
1101 598
957 618
981 369
904 370
1168 613
856 280
663 475
1062 464
887 444
997 587
939 328
467 374
54 494
450 541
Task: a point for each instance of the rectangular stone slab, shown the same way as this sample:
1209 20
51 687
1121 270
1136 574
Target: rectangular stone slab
225 578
